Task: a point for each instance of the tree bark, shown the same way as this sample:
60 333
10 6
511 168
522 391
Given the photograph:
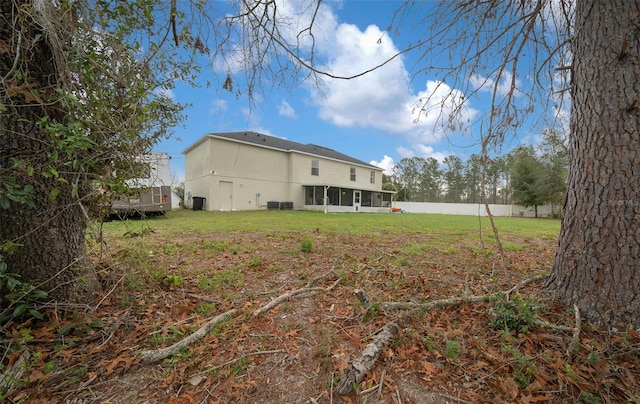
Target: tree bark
597 263
50 235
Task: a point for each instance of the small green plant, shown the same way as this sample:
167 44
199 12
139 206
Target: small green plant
452 350
430 344
306 245
174 280
228 278
524 367
372 311
516 314
589 398
239 366
255 262
80 326
206 308
18 298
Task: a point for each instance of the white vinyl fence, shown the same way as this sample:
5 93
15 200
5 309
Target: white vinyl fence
474 209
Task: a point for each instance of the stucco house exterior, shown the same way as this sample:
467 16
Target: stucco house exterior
249 171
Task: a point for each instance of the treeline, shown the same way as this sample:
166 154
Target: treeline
528 176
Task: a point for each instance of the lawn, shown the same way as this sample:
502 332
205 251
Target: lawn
304 293
183 220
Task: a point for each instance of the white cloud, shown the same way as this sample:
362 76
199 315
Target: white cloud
383 99
427 151
217 106
287 110
421 150
386 164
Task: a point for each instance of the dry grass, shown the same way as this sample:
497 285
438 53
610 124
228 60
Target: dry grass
178 272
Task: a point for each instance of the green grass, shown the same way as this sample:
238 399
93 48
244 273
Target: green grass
182 221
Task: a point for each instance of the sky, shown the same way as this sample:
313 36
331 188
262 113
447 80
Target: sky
372 118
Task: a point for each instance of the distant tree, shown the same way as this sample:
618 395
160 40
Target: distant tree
528 179
431 180
178 189
554 157
407 175
387 183
453 179
497 180
472 173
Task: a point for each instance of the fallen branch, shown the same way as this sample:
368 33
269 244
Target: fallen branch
356 372
434 304
358 369
448 302
294 293
363 298
10 378
524 283
162 353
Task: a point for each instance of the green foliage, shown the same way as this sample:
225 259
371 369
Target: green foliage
452 349
227 278
524 367
306 245
206 308
239 366
174 280
430 344
17 298
516 314
589 398
80 327
527 180
372 312
11 191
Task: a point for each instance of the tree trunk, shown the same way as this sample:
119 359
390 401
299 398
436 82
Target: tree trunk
597 263
50 235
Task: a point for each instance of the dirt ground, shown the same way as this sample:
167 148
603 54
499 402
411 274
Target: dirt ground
484 347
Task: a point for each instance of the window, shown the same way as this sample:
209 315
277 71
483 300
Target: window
315 167
353 173
372 177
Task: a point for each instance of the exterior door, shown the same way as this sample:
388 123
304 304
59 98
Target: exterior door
225 193
356 200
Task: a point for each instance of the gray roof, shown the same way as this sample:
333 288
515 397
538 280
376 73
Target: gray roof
286 145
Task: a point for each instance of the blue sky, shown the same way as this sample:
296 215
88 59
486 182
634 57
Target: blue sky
371 118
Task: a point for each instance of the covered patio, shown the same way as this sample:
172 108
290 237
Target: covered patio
329 198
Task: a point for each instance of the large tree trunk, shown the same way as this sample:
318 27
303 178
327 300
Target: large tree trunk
51 252
597 263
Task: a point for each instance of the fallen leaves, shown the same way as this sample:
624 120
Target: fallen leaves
297 349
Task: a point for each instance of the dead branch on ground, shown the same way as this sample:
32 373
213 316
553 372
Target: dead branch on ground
305 291
355 373
162 353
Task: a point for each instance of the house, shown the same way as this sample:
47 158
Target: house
154 193
249 171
